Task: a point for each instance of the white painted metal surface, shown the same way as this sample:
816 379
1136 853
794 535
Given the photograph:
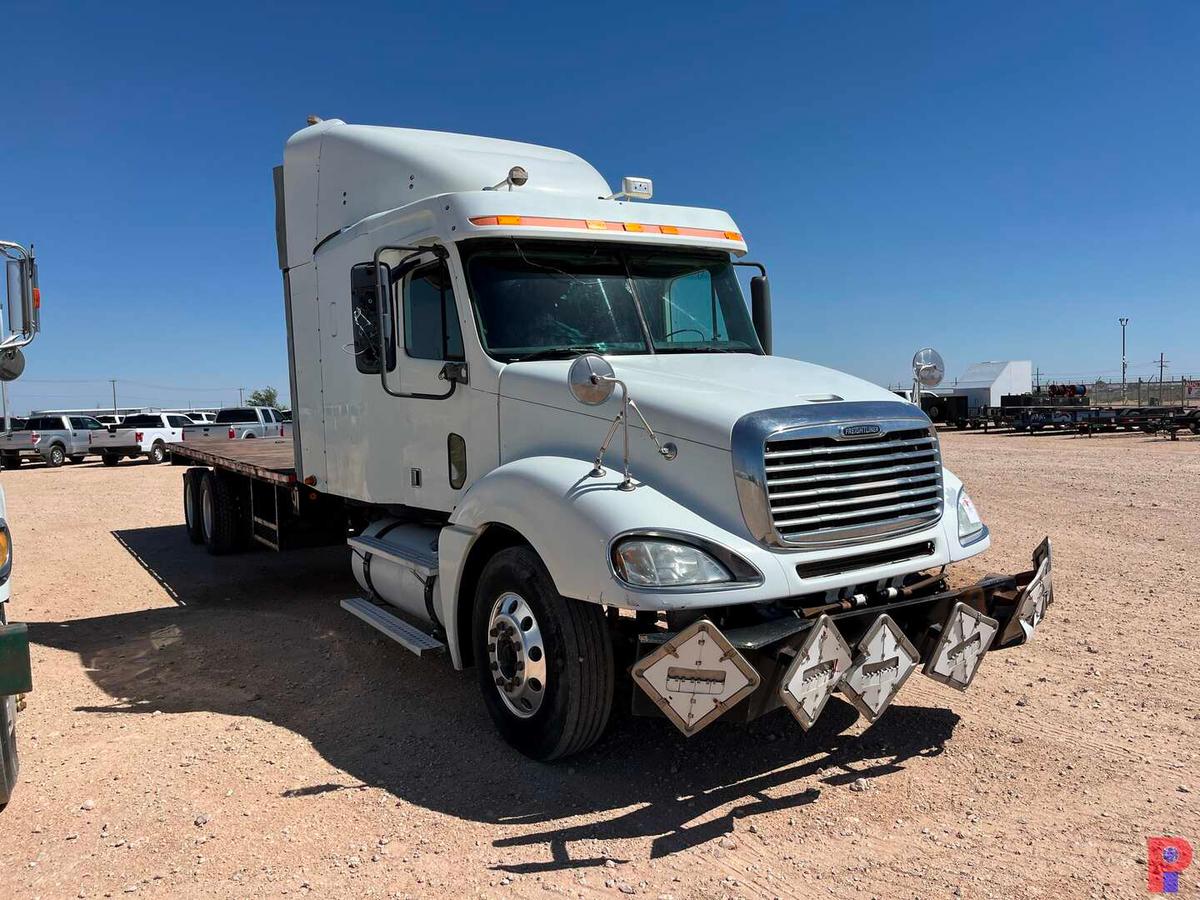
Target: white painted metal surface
695 676
966 637
885 660
811 679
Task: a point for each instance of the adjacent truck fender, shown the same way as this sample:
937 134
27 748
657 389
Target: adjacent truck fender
569 519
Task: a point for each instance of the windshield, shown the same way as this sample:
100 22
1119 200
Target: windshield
541 299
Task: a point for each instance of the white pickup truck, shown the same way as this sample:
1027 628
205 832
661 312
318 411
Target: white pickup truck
236 423
145 434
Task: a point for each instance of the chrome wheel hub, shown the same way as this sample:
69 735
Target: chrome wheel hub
516 655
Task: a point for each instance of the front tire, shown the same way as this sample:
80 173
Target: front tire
524 632
56 457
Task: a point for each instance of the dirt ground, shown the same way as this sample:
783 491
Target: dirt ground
220 728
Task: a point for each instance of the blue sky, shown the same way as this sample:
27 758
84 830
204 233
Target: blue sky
998 180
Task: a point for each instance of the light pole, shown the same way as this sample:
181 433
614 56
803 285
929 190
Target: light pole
1124 320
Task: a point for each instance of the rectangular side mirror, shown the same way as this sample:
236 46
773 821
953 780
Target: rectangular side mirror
22 301
760 310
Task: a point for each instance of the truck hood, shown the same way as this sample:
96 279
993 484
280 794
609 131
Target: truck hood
694 396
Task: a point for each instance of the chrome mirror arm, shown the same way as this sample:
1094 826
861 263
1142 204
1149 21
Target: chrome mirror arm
667 451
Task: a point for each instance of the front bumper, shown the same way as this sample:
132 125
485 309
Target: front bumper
945 632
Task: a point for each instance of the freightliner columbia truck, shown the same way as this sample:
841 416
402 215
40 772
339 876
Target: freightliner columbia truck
551 430
20 322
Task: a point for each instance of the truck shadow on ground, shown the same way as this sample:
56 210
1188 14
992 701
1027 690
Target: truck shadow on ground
262 635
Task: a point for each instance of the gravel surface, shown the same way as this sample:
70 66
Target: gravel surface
220 728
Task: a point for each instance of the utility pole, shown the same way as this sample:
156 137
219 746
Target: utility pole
1161 364
241 399
114 387
1124 320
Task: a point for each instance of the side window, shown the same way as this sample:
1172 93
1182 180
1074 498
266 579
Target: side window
364 315
431 329
178 421
93 424
693 314
79 422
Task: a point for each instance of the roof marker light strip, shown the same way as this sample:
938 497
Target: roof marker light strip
603 225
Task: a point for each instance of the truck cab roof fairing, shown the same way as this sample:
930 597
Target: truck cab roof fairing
337 174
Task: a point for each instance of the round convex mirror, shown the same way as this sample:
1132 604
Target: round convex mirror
928 367
12 364
588 379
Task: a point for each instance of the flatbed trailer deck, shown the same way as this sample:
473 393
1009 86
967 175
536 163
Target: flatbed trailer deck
268 460
238 493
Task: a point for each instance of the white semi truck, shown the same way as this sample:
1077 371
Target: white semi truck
20 321
549 428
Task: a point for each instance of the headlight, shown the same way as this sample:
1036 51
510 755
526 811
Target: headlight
5 552
970 526
655 562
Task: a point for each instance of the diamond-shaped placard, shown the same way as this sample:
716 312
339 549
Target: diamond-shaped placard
819 665
885 660
695 676
1037 596
966 636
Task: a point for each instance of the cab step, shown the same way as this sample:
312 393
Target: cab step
403 633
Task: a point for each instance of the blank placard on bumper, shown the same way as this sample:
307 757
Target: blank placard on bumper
966 636
810 680
885 660
695 676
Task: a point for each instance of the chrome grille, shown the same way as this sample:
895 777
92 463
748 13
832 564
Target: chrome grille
825 489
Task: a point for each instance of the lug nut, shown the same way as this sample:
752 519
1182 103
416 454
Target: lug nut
492 647
500 682
495 665
516 682
494 631
520 665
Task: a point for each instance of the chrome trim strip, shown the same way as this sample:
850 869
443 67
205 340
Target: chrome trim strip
865 444
748 448
870 500
843 488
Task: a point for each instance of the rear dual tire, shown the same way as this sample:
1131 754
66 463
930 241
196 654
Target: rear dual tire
191 504
570 650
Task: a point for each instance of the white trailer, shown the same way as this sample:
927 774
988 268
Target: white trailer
471 324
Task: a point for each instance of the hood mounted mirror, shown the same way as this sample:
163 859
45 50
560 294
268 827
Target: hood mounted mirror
592 380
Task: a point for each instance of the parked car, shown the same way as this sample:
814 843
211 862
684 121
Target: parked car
52 439
144 434
200 417
237 423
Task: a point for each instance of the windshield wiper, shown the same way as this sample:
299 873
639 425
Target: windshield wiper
559 353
